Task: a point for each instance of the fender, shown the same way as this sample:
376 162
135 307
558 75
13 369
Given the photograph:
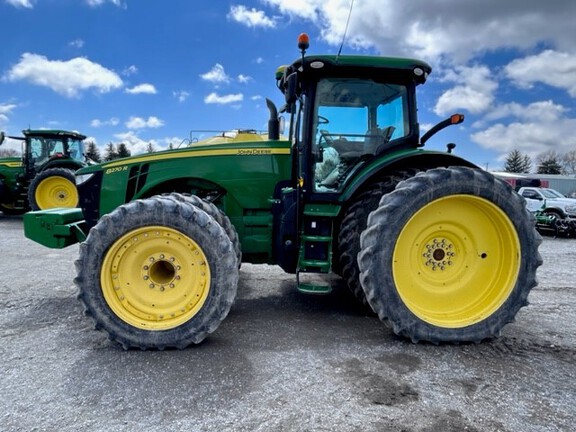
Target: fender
62 163
403 159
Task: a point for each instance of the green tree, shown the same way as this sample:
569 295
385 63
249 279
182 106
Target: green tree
110 153
549 163
122 150
92 152
516 162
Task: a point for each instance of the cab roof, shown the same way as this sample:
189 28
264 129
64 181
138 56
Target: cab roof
47 133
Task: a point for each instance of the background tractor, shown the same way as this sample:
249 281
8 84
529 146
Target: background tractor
43 177
438 248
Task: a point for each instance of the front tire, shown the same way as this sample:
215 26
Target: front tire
54 187
449 256
157 273
11 209
218 215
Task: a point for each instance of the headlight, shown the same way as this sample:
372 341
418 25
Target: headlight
570 209
83 178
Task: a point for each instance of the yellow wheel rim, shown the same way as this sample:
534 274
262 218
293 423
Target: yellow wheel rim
56 191
456 261
155 278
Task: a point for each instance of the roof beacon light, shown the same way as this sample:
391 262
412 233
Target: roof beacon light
303 42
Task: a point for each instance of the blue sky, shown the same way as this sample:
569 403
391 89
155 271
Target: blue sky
139 71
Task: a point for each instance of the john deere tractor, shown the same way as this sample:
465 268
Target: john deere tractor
438 248
44 176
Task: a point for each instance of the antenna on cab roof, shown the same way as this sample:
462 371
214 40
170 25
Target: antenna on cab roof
345 29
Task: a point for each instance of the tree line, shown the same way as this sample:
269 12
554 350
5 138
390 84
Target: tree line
113 151
549 162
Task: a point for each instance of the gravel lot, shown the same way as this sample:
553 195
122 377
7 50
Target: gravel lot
281 361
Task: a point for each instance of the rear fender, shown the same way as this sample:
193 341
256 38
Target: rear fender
414 159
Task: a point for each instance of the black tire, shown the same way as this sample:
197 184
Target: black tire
63 194
9 210
192 256
353 223
218 215
449 256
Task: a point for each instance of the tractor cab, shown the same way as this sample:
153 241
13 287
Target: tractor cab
346 111
46 148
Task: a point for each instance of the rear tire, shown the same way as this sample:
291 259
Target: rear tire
157 273
352 225
449 256
54 187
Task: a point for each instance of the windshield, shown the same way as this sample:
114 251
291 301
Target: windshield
353 120
42 149
76 149
551 193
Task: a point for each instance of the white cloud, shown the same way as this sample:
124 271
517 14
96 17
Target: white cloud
135 144
21 3
259 60
96 3
556 69
140 123
301 8
432 28
475 93
181 95
257 97
142 89
214 98
534 128
130 70
250 17
96 123
216 75
4 111
68 78
76 43
7 108
546 111
244 78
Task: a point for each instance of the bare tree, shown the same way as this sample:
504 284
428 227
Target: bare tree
569 162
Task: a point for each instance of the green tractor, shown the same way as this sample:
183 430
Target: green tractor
43 177
438 248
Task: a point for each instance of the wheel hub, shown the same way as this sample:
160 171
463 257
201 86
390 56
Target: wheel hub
161 272
439 253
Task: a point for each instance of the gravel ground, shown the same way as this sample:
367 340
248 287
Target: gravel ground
281 361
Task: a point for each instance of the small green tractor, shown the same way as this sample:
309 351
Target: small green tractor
435 246
44 176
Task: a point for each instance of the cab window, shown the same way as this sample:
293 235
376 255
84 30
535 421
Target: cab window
354 120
